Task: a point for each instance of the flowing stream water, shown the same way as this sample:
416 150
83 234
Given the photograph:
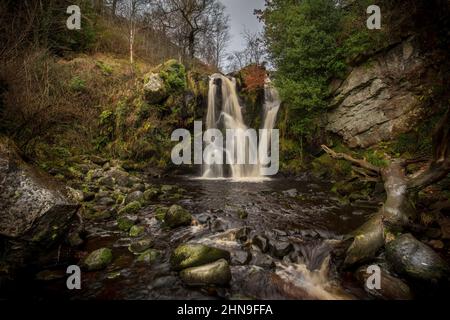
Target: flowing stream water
228 213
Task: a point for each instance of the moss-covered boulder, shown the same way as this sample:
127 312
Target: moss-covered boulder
213 274
131 208
125 223
415 260
177 216
140 245
149 256
194 255
151 194
98 260
155 90
137 231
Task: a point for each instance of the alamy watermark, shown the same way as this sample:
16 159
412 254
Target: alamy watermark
242 147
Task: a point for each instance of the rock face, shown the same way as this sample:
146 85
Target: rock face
380 99
34 211
412 258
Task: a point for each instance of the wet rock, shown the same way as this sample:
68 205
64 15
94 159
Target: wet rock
217 274
167 188
163 282
151 194
240 257
140 245
98 160
280 248
177 216
131 208
107 182
203 218
138 187
149 256
436 244
219 225
262 260
106 201
261 242
50 275
133 197
136 231
125 223
74 239
35 211
290 193
243 234
391 288
194 255
98 260
120 177
160 213
416 260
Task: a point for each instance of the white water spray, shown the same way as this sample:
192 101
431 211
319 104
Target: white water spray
230 117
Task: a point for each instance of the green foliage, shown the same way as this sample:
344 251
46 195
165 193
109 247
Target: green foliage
77 84
105 68
174 76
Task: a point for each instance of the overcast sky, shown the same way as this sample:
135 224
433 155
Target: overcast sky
241 13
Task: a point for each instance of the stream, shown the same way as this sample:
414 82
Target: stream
301 212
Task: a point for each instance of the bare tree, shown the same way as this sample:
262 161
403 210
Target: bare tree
254 48
131 10
186 21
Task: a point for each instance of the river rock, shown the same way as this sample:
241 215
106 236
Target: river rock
98 260
140 245
134 196
177 216
151 194
125 223
240 257
217 274
416 260
261 242
131 208
262 260
136 231
391 288
35 211
280 248
149 256
194 255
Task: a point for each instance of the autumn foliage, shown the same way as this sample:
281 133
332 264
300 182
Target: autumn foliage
253 78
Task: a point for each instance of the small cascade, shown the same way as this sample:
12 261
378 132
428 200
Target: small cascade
225 112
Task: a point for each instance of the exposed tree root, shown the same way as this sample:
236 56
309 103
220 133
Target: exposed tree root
397 211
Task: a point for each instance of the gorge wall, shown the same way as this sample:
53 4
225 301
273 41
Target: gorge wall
389 91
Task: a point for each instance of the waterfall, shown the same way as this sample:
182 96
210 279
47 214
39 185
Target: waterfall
225 112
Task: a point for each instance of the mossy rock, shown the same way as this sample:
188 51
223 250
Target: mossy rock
137 231
160 213
194 255
177 216
213 274
149 256
140 245
151 194
131 208
98 259
242 214
125 223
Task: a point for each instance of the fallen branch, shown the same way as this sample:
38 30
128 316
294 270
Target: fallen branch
343 156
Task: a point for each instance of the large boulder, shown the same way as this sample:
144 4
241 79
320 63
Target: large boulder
35 211
154 88
177 216
217 273
194 255
415 260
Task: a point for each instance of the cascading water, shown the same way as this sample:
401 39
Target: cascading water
230 117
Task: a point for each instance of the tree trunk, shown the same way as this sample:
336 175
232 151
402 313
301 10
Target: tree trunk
397 211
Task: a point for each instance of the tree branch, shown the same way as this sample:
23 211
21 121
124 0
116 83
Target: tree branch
361 163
